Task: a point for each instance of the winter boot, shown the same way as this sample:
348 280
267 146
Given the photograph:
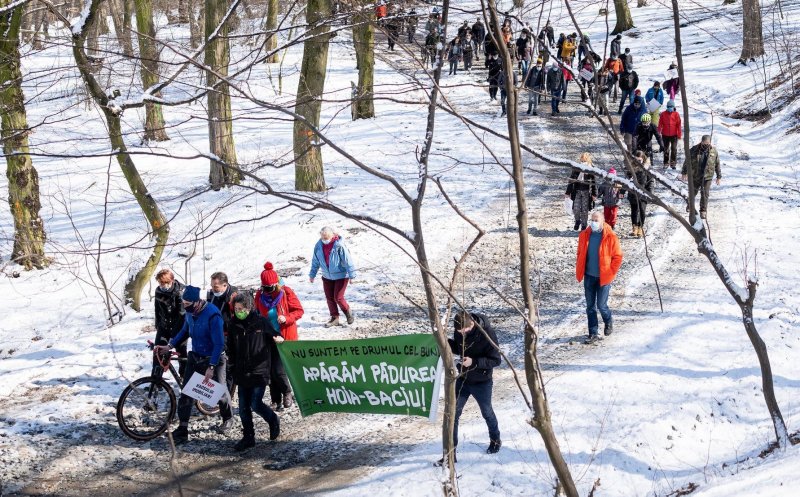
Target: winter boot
180 435
577 225
248 441
592 339
609 328
530 109
225 426
494 446
334 321
275 429
634 231
288 399
349 315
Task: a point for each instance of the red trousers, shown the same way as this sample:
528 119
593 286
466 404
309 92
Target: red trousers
610 215
334 294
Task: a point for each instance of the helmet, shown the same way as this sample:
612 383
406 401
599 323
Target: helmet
646 118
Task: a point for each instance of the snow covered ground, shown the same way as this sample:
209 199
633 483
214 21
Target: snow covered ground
670 399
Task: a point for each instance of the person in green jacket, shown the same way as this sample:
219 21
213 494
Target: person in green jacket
705 164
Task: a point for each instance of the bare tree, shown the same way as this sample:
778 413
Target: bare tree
121 16
23 180
152 213
624 19
541 419
752 32
220 119
309 172
271 26
364 43
148 55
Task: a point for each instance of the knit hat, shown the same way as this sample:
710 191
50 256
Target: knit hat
191 294
671 104
637 92
268 275
612 171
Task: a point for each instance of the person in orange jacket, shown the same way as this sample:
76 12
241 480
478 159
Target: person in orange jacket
280 305
669 125
614 66
599 259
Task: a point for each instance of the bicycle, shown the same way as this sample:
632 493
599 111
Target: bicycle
148 405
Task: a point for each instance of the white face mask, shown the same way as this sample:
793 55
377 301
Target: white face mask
325 242
219 294
165 288
596 226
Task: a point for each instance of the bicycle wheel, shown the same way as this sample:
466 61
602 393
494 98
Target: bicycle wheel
146 408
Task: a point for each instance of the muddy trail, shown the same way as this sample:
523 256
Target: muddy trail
322 453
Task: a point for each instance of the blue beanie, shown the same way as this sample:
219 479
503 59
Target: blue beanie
191 294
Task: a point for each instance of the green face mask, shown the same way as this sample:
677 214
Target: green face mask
241 314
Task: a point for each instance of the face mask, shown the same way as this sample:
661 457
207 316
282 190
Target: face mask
219 294
325 242
165 288
269 288
595 226
188 307
242 314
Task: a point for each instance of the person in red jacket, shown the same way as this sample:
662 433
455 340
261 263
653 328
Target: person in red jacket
280 305
669 125
599 259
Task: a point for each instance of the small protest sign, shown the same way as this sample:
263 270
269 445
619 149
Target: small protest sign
208 392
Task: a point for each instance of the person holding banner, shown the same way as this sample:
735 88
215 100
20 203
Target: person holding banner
280 305
475 341
203 324
250 337
654 98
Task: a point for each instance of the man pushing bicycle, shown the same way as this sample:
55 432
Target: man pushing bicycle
204 326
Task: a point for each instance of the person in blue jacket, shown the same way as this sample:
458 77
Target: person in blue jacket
333 259
203 324
654 93
630 120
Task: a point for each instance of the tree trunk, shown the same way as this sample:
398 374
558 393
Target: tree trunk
752 35
271 43
624 19
23 180
150 209
641 3
148 55
364 42
220 120
533 373
121 17
707 249
196 12
309 172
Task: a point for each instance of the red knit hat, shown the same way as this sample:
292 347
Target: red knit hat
268 275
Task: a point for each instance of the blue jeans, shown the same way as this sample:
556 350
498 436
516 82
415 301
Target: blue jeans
626 95
482 392
251 399
564 93
556 95
596 298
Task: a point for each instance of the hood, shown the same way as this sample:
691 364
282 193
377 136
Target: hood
639 99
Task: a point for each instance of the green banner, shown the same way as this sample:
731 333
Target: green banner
388 375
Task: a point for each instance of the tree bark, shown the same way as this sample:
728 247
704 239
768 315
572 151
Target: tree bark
23 180
752 34
220 119
533 374
150 209
271 43
364 42
624 19
148 56
121 16
309 172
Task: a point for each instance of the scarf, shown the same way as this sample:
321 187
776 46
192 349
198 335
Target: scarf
271 304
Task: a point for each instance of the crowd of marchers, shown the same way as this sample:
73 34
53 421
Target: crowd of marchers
234 332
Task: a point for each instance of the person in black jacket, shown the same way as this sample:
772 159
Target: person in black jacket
479 356
641 165
582 190
249 341
169 313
